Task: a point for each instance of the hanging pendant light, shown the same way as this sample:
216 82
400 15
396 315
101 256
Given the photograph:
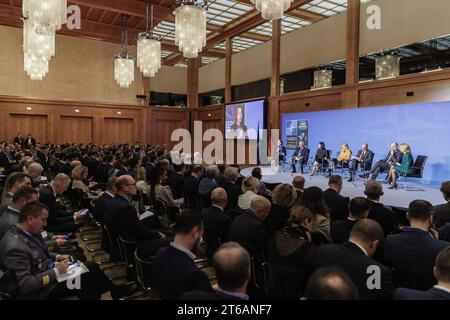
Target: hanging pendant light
123 62
272 9
51 14
148 51
36 67
38 41
190 28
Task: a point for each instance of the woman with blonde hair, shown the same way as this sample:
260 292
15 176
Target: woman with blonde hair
79 175
283 198
250 187
401 168
343 158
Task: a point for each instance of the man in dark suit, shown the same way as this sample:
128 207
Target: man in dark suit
379 212
364 157
340 229
301 155
232 269
299 184
216 222
18 139
441 291
412 254
337 204
6 159
122 218
373 280
191 184
394 156
174 271
29 141
43 157
249 230
102 203
58 220
442 211
176 181
232 189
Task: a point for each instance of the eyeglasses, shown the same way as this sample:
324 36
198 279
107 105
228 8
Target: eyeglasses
131 184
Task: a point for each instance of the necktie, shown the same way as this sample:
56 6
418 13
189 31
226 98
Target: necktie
362 156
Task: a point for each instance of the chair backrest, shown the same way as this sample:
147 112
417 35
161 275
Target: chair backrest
144 269
420 162
126 250
329 153
109 239
159 208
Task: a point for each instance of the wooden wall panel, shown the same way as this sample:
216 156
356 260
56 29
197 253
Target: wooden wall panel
119 131
314 103
161 122
27 123
76 129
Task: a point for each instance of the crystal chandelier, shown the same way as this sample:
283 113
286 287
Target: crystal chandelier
123 62
36 67
387 66
272 9
190 28
323 79
51 14
38 41
148 51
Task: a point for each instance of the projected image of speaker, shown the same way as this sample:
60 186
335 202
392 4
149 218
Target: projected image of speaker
243 120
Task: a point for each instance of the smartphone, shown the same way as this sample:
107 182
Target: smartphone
84 212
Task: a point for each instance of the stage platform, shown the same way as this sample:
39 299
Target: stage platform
399 198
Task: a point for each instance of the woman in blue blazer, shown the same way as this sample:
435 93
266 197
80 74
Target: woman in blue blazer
401 168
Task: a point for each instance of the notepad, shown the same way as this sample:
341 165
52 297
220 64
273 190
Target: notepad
145 215
73 271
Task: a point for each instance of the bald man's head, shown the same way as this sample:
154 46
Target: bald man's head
219 197
232 267
126 185
298 182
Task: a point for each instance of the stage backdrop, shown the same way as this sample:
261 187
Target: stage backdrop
425 127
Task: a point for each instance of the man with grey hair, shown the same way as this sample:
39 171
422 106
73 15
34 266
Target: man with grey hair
299 184
230 186
208 184
35 170
216 222
249 230
384 216
58 220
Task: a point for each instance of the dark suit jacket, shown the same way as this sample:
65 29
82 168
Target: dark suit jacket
56 218
101 206
442 214
43 159
217 226
340 230
411 294
121 216
398 155
412 255
301 153
384 217
175 273
4 161
277 218
337 204
18 140
202 295
191 184
367 159
352 260
176 183
250 232
233 193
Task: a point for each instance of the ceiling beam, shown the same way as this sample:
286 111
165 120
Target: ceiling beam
241 25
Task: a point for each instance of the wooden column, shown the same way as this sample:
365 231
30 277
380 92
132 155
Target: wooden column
192 85
353 17
228 54
276 35
146 91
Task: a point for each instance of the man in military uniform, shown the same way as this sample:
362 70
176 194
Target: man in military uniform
34 271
